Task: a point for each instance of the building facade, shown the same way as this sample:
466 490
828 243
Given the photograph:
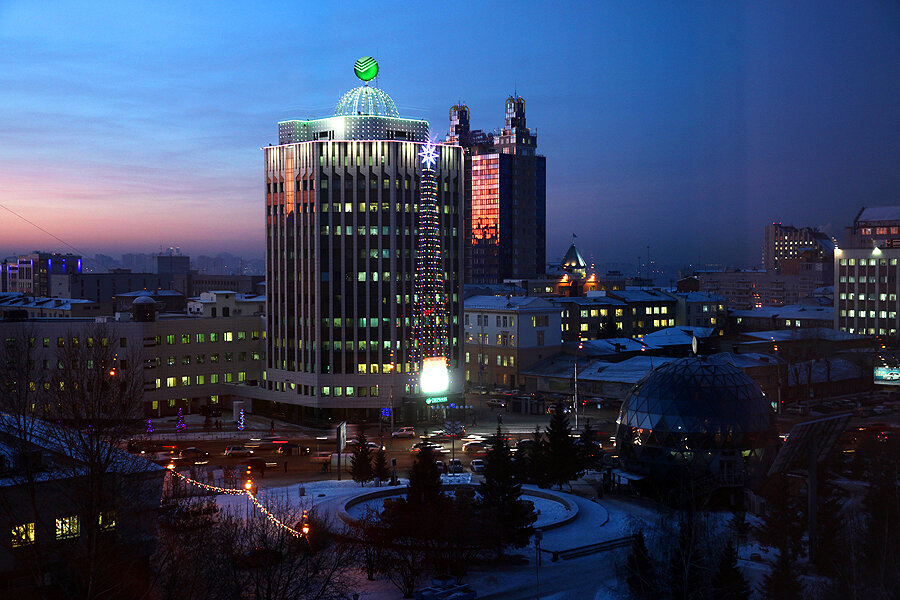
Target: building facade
506 208
786 242
504 335
343 197
866 291
31 273
875 226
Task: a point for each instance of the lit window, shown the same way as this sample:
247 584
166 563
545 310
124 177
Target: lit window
22 535
227 336
107 520
67 527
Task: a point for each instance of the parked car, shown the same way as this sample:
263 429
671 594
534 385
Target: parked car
477 465
404 432
350 446
455 466
480 390
496 403
238 451
566 407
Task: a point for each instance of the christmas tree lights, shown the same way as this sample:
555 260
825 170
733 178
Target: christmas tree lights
180 426
149 428
240 423
430 349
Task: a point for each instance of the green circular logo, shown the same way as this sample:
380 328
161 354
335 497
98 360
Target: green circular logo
366 68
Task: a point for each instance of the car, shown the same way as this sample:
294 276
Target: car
892 375
440 465
426 444
238 451
404 432
194 455
566 407
479 390
455 466
496 403
477 465
474 447
442 434
350 446
320 457
289 448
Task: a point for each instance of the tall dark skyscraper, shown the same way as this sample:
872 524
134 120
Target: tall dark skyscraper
363 259
506 203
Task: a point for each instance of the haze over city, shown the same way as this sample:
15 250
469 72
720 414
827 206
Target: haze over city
127 129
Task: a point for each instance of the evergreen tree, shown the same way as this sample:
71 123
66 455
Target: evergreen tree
539 460
588 453
361 460
380 469
511 517
728 582
781 583
563 454
640 574
783 522
424 487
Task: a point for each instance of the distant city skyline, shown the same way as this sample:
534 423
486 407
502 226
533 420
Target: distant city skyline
125 129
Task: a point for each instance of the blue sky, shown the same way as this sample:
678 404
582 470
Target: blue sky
685 126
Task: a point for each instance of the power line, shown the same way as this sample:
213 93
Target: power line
33 224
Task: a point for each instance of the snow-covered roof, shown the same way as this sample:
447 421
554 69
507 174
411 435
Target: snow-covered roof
701 297
810 333
505 304
588 301
609 346
17 300
676 336
149 293
880 213
642 296
792 311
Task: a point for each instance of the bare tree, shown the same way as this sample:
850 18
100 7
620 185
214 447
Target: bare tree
81 406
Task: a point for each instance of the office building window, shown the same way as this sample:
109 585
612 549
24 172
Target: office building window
22 535
67 527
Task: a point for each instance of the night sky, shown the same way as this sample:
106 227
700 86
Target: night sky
685 126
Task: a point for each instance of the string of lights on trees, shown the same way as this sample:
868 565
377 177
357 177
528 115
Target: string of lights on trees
249 493
431 313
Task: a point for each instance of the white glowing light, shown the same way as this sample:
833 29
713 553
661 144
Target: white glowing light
428 155
434 376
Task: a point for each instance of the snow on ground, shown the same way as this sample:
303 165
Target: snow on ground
591 577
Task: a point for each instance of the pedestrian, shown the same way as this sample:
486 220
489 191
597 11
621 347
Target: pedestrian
272 427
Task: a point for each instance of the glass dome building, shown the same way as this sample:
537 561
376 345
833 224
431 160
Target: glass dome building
368 101
698 414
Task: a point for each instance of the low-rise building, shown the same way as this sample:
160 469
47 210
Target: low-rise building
226 304
506 334
15 305
188 362
700 309
794 316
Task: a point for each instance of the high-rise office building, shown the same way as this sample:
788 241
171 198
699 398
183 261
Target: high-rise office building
363 260
506 207
788 243
30 273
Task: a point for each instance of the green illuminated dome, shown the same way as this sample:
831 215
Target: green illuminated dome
368 101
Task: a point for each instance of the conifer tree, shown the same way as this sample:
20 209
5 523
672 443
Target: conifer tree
361 460
640 574
501 498
729 582
539 459
781 583
380 469
563 454
588 454
424 487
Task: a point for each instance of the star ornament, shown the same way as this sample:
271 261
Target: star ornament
429 155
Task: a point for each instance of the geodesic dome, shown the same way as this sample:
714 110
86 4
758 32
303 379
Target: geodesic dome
696 413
